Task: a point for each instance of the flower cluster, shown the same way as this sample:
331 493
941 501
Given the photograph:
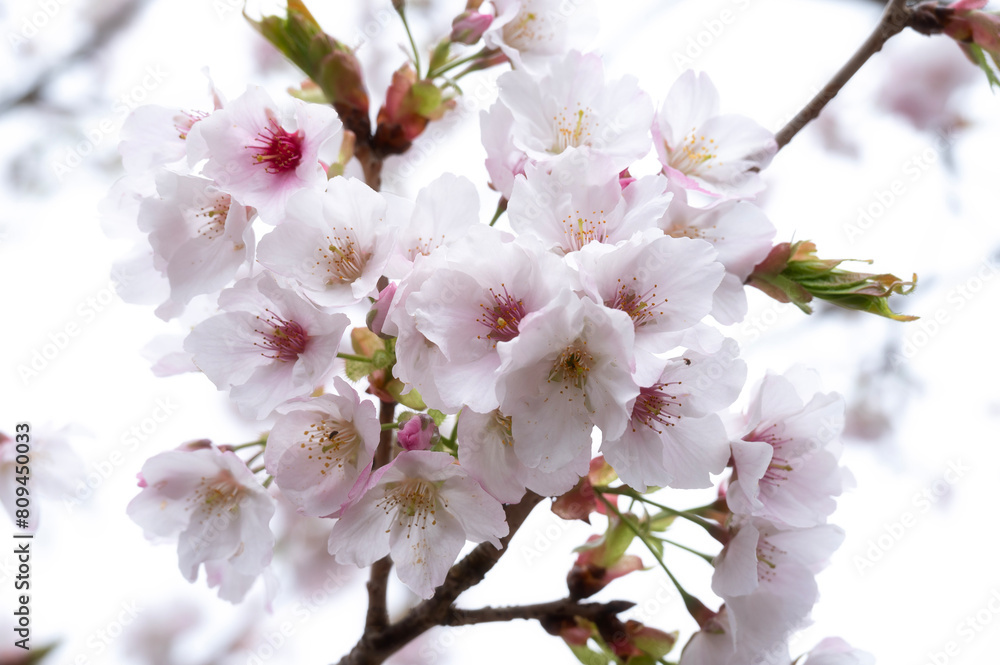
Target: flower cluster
587 325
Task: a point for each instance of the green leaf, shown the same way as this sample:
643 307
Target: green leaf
356 370
978 56
410 400
661 521
437 416
587 656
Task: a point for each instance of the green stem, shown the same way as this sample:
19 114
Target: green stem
453 64
260 442
413 44
707 557
690 602
268 481
454 433
386 426
629 492
256 455
356 358
501 207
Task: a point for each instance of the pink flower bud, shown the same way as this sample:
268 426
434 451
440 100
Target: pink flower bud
418 433
469 26
380 309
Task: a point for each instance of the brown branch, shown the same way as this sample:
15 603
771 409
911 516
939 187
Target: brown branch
378 615
894 19
545 612
375 646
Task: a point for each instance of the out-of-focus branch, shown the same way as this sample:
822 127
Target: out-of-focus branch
102 35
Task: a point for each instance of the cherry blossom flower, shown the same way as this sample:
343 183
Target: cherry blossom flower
674 438
154 137
570 368
719 155
213 505
664 284
467 309
577 201
442 213
320 448
54 467
531 31
740 233
486 449
766 577
334 243
199 235
421 508
261 153
269 346
504 161
786 461
570 108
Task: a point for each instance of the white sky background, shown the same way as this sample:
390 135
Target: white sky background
932 575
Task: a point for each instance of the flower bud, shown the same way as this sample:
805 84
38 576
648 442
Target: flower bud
380 309
469 26
418 433
792 272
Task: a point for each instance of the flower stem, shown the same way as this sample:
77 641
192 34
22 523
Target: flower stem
356 358
694 606
713 529
447 67
413 44
501 207
707 557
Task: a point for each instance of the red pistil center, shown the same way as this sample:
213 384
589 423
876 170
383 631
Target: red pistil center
655 408
503 317
278 150
285 340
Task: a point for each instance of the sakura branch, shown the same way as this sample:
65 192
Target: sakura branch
427 378
976 32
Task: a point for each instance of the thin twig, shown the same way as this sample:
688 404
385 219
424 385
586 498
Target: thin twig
894 19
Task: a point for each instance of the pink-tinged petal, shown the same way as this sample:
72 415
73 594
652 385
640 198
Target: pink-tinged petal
361 535
751 460
480 515
424 555
736 566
